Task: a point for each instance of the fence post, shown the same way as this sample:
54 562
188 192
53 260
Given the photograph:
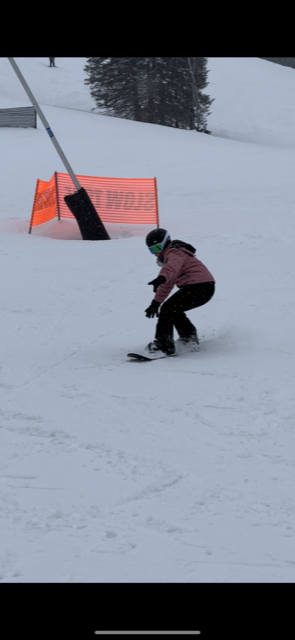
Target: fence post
157 205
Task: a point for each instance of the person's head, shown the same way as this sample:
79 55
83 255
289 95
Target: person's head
157 240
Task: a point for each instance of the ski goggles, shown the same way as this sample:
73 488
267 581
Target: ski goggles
157 248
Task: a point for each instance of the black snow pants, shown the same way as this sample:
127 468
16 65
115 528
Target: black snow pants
172 312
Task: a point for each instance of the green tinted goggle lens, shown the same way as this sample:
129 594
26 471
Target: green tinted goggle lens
157 248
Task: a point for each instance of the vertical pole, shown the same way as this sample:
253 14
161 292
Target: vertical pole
157 205
57 198
32 215
195 91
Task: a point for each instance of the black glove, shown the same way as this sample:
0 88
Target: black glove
153 309
156 283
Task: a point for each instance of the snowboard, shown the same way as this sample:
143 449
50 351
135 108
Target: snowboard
141 358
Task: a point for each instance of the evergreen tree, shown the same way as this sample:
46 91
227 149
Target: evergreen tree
166 91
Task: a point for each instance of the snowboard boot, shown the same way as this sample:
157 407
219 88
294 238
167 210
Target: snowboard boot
156 346
189 343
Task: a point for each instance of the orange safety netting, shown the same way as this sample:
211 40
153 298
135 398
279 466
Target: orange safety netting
117 200
45 202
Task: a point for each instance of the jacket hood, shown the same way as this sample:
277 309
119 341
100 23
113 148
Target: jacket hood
179 244
175 244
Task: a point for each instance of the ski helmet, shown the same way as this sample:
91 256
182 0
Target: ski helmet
156 240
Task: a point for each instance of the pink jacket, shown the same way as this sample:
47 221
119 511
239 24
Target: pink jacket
180 267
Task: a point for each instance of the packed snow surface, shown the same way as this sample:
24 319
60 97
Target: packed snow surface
182 469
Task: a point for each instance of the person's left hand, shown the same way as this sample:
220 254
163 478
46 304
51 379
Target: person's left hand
153 309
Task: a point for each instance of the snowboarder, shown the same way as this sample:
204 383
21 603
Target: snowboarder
180 267
52 63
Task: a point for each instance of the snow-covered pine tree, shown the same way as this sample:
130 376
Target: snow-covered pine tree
113 85
190 106
166 91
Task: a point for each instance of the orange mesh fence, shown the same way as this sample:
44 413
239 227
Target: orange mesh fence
116 200
45 202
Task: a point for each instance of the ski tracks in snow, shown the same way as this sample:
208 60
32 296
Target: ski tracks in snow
197 474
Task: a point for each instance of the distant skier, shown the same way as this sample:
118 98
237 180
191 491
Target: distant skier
52 62
196 285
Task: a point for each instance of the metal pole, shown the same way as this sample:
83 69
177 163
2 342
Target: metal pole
45 123
195 91
157 204
57 198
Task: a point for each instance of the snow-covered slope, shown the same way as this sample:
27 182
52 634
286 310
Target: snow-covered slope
179 470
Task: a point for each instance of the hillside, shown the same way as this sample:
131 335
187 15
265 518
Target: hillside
181 470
